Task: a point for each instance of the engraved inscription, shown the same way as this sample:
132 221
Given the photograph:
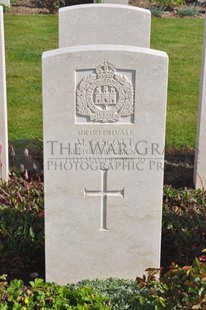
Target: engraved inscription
105 96
104 193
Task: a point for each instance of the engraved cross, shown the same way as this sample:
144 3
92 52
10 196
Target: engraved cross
104 193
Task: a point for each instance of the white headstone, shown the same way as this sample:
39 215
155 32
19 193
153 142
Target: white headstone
3 105
104 131
104 24
200 153
5 2
112 1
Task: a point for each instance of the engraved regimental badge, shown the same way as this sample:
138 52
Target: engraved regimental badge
105 95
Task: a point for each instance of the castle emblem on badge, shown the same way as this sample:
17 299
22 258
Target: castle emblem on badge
105 96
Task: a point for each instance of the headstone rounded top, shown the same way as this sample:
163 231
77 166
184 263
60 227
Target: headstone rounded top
104 24
113 1
103 6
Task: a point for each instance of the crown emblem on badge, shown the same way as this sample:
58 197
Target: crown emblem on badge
105 96
105 70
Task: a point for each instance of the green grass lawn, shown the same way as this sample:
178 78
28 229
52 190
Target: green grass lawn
28 36
182 39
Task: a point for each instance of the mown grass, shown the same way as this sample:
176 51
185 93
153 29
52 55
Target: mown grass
182 39
28 36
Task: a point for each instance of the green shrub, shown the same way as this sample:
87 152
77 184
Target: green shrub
22 251
157 11
179 288
188 11
5 7
168 3
40 295
51 5
21 228
120 292
183 225
186 286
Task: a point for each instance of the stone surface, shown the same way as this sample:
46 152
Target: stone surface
104 131
5 2
104 24
200 158
3 104
113 1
